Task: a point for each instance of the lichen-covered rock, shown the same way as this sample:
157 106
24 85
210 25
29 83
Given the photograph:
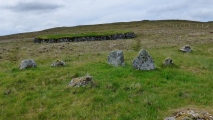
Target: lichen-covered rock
186 48
168 61
169 118
190 114
116 58
28 63
143 61
58 63
82 81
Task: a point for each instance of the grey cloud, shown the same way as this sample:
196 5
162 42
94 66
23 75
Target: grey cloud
33 6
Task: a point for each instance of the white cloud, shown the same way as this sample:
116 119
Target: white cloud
30 15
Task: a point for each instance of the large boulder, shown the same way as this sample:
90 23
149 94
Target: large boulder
58 63
186 48
82 81
28 63
143 61
116 58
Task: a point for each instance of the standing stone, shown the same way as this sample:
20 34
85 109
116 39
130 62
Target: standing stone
143 61
28 63
186 48
116 58
58 63
168 61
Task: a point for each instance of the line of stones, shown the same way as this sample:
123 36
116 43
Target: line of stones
116 58
128 35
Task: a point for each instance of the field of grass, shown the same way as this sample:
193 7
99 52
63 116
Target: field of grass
121 93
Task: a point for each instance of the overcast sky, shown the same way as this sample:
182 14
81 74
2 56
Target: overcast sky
17 16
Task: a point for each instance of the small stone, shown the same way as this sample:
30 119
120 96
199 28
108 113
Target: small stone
116 58
168 61
82 81
169 118
186 48
58 63
187 118
28 63
143 61
191 112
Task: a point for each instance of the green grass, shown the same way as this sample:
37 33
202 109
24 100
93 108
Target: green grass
93 34
121 93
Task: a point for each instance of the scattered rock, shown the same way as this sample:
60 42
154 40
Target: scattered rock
168 61
58 63
186 48
191 114
28 63
116 58
143 61
82 81
170 118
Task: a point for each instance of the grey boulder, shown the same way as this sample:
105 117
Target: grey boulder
143 61
168 61
58 63
116 58
28 63
186 49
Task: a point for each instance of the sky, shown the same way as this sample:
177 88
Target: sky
19 16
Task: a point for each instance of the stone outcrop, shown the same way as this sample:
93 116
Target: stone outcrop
186 48
82 81
169 118
86 38
58 63
28 63
116 58
168 61
191 114
143 61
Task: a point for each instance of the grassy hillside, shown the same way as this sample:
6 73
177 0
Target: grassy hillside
119 92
